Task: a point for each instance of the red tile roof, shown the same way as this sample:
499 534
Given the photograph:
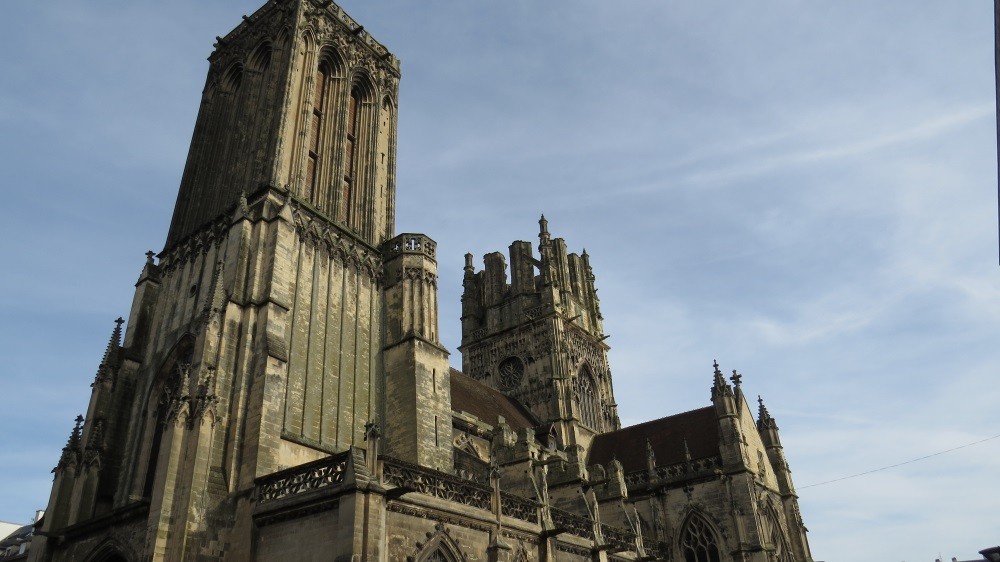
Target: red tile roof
474 397
700 428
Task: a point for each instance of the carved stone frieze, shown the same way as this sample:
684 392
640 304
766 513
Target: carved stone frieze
582 348
194 246
323 235
528 343
572 549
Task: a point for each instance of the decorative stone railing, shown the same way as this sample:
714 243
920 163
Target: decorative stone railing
410 244
519 508
573 524
318 474
620 539
678 471
438 484
332 471
444 486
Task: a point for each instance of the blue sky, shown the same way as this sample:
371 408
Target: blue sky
804 191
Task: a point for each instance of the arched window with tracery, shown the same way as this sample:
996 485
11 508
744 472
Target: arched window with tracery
590 410
438 556
698 542
781 551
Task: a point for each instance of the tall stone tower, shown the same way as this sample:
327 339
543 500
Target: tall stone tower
538 336
280 391
255 339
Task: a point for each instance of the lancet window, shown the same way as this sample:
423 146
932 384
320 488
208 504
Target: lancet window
321 94
590 411
169 383
351 145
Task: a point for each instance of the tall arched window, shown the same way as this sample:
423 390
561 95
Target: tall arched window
698 543
168 383
781 551
590 412
351 143
320 95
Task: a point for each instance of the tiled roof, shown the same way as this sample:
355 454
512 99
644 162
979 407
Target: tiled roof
471 396
700 428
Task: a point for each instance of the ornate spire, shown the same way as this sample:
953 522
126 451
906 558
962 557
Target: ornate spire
720 386
73 442
110 360
764 419
71 452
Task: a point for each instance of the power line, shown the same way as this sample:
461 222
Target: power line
899 464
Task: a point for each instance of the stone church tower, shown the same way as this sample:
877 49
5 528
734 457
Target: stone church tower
279 391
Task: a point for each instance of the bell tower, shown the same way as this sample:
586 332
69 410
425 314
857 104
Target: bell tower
538 336
255 337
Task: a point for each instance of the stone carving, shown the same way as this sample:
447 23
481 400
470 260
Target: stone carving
398 507
583 349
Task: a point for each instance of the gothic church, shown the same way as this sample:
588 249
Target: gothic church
279 391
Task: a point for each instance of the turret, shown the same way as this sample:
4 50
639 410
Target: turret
768 429
417 388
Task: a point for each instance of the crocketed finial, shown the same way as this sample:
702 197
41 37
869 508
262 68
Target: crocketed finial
74 437
764 419
719 385
149 257
110 359
736 378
